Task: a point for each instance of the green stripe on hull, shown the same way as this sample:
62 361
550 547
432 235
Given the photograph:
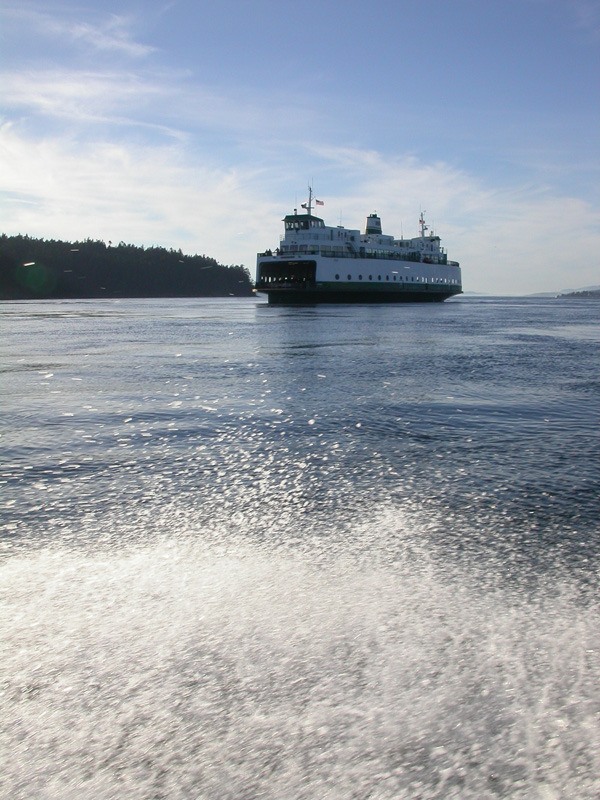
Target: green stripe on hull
359 292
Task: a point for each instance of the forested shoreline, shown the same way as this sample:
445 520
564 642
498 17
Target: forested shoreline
44 268
588 293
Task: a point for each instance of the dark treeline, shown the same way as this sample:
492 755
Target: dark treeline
593 293
38 268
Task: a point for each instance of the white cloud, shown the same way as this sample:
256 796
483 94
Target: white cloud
112 34
145 195
532 245
168 103
86 98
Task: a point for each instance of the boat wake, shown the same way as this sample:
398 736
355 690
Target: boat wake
221 664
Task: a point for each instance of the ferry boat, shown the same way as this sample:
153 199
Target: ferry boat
316 263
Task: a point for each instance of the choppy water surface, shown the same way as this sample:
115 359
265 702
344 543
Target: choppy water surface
318 552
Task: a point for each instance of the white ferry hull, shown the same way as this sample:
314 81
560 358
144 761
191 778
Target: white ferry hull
344 280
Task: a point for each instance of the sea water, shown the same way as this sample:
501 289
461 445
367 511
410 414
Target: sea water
314 552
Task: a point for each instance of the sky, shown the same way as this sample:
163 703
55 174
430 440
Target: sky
198 125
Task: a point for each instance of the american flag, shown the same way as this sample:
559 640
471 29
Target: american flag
319 203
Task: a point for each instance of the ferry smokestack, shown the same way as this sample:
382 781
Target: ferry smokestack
373 224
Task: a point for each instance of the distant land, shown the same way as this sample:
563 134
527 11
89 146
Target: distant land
588 291
591 292
44 269
583 291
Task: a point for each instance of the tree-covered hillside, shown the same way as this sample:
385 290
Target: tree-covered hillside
39 268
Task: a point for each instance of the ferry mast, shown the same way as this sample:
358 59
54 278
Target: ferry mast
308 206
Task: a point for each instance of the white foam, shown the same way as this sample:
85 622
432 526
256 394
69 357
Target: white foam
201 666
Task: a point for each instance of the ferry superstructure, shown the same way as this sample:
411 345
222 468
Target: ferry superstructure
316 263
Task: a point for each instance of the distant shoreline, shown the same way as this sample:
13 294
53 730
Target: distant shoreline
583 293
38 269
